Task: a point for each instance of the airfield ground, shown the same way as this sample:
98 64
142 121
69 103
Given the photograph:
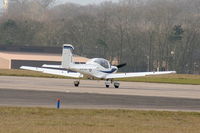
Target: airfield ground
47 120
28 93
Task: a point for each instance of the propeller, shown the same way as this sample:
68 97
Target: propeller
121 65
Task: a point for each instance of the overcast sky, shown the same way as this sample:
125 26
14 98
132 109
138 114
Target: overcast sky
82 2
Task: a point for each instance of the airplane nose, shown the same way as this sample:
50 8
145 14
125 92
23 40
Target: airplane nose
114 68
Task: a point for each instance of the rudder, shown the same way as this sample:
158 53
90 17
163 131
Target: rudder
67 55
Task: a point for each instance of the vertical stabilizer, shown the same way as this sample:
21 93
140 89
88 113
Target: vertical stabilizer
67 55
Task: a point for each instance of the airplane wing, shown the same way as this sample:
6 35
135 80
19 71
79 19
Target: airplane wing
136 74
53 71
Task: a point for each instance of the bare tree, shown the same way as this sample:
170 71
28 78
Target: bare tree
144 33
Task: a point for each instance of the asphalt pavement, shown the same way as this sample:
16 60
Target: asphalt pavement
43 92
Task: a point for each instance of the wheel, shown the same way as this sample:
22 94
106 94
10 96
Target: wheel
107 83
116 85
76 83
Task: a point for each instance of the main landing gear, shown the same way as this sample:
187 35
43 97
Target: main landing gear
115 83
107 83
76 83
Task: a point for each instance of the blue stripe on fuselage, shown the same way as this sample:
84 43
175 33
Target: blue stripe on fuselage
68 47
111 71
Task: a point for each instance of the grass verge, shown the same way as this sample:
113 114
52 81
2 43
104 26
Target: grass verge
44 120
26 73
169 78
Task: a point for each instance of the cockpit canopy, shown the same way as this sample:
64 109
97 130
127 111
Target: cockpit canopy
104 63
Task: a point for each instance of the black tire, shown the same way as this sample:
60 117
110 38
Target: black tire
107 86
76 84
116 86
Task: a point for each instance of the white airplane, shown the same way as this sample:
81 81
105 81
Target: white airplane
97 68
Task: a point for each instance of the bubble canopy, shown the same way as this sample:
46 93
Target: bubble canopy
104 63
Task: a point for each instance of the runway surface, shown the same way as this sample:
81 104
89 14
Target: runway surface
84 100
43 92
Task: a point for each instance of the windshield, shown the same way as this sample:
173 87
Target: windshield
104 63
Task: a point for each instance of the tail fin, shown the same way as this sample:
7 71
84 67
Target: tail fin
67 55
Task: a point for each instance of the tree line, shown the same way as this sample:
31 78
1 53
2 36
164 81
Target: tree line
147 34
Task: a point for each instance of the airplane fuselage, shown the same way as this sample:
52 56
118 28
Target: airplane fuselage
94 69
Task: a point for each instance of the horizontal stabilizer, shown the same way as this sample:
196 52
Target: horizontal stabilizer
53 71
136 74
51 66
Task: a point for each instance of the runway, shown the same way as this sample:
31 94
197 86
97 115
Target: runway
43 92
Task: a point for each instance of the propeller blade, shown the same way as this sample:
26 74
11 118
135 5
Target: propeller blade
121 65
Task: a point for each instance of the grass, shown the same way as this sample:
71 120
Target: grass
170 78
44 120
18 72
